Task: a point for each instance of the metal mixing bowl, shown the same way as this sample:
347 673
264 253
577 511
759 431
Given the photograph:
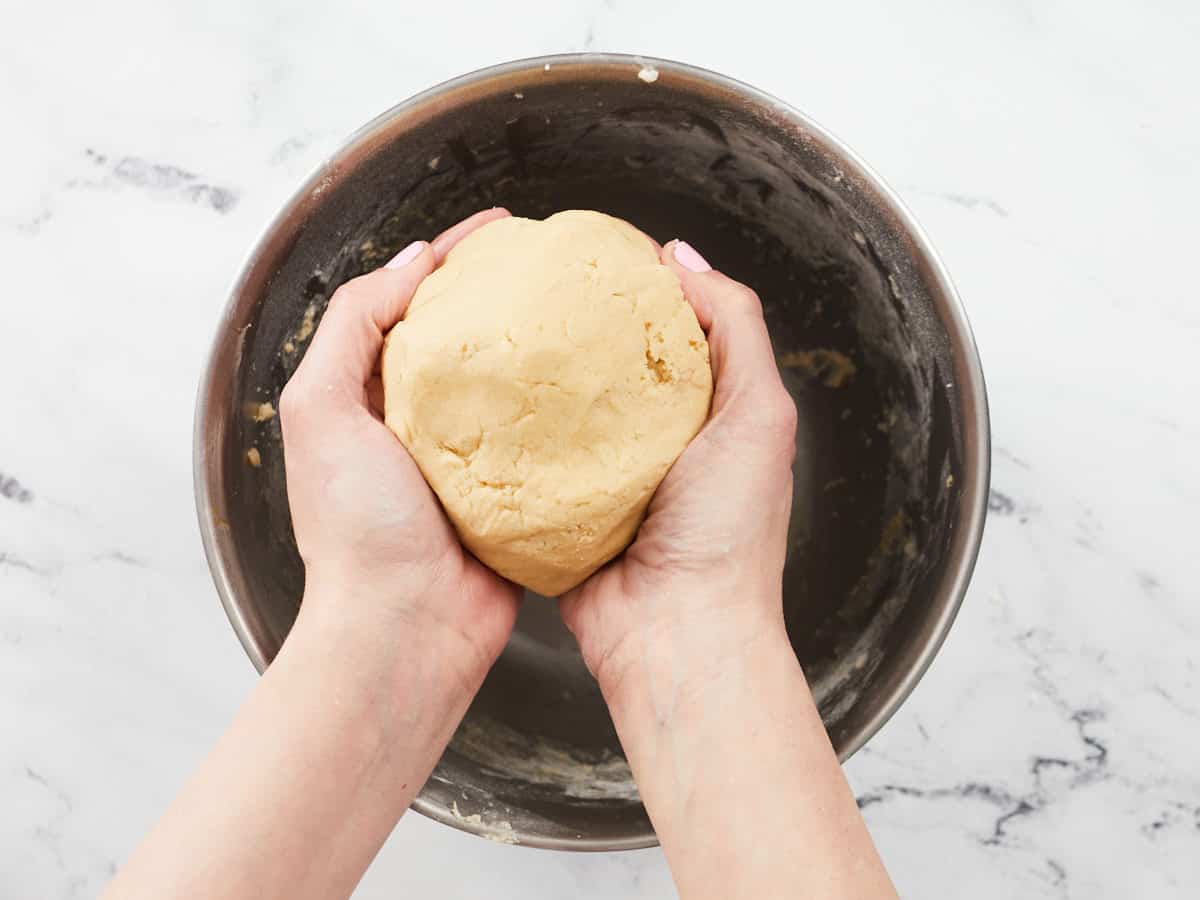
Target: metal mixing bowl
891 476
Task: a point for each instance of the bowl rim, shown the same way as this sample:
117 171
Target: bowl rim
963 350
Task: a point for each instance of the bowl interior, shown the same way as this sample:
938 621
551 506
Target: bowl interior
857 317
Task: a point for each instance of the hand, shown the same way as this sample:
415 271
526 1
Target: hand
685 634
396 632
378 551
705 569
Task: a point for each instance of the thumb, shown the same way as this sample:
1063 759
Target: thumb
350 337
743 363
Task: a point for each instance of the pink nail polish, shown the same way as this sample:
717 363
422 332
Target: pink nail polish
405 256
686 256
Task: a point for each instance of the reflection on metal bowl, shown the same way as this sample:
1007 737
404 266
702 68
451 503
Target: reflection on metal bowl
892 465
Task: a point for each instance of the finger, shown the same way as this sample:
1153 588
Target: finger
731 315
348 341
444 242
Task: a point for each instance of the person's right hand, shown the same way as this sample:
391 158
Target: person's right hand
704 573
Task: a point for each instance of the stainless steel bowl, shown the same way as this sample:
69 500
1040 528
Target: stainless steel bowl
891 477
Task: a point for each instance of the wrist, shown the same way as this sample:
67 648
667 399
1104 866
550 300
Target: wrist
365 635
672 662
382 714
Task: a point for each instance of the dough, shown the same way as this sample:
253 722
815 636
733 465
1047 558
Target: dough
544 379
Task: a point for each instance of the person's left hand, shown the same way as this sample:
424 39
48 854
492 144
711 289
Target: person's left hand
379 553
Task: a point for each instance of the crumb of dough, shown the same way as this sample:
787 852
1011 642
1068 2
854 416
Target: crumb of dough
503 834
308 323
500 831
260 412
831 366
254 458
472 819
894 531
648 74
289 347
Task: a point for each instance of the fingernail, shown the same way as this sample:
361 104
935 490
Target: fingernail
407 255
686 256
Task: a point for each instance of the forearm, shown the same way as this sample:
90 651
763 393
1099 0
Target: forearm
320 763
737 772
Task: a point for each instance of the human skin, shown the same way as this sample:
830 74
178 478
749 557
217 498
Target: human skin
396 631
685 635
399 626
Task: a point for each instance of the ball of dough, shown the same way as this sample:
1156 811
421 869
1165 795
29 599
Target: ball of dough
544 379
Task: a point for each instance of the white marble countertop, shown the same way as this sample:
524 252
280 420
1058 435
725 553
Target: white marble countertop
1052 151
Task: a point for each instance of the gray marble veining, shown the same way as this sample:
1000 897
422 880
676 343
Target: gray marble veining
1050 151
